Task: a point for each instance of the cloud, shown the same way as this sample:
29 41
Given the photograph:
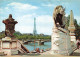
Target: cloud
44 19
44 23
25 23
45 30
48 5
24 29
22 6
26 19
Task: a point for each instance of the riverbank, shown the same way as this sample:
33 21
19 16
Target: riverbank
39 56
76 53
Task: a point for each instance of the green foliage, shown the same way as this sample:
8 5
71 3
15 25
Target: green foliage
20 36
2 35
77 31
30 36
67 22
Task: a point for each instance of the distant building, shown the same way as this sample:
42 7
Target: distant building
2 32
34 30
41 34
28 34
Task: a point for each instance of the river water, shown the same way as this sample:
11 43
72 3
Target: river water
30 46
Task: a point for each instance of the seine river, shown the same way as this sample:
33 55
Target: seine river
30 46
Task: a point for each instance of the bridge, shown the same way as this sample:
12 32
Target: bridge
40 42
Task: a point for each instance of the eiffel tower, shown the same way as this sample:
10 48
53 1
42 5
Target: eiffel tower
34 30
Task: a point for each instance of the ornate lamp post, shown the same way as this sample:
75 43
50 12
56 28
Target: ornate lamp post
9 26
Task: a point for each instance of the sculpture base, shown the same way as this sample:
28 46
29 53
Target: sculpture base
6 39
61 43
10 46
73 43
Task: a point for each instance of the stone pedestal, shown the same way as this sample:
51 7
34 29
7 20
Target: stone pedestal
60 42
8 45
73 38
72 29
73 43
12 46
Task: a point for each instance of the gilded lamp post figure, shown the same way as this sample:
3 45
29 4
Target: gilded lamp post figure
9 26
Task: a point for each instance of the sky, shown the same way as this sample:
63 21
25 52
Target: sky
24 12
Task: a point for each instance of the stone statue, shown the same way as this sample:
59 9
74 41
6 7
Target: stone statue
59 16
60 38
9 26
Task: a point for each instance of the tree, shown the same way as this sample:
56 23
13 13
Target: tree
77 26
77 31
67 22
